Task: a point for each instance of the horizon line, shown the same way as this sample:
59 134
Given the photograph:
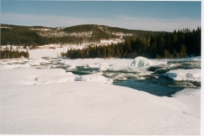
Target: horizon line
98 25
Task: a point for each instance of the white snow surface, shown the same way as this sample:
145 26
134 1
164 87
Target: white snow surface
185 75
52 101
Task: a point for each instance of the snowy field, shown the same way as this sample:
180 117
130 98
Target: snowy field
52 95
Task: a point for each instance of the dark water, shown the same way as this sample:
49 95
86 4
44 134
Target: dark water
83 70
149 87
160 86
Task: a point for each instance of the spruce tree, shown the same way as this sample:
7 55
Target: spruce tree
183 51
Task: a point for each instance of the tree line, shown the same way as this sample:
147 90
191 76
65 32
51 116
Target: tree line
8 53
178 44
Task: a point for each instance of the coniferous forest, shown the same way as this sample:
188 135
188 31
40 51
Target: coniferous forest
178 44
9 53
35 36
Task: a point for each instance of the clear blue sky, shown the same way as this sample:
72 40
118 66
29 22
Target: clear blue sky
149 15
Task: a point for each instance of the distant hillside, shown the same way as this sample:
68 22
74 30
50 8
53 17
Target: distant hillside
100 30
40 35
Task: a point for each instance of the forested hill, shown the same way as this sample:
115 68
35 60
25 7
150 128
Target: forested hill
107 30
40 35
178 44
137 42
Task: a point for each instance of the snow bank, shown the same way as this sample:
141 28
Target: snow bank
191 59
93 78
35 76
140 62
71 67
102 64
185 75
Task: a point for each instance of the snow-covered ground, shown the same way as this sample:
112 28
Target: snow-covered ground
36 98
54 50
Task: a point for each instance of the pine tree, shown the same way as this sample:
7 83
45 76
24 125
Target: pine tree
27 54
166 53
183 51
176 54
